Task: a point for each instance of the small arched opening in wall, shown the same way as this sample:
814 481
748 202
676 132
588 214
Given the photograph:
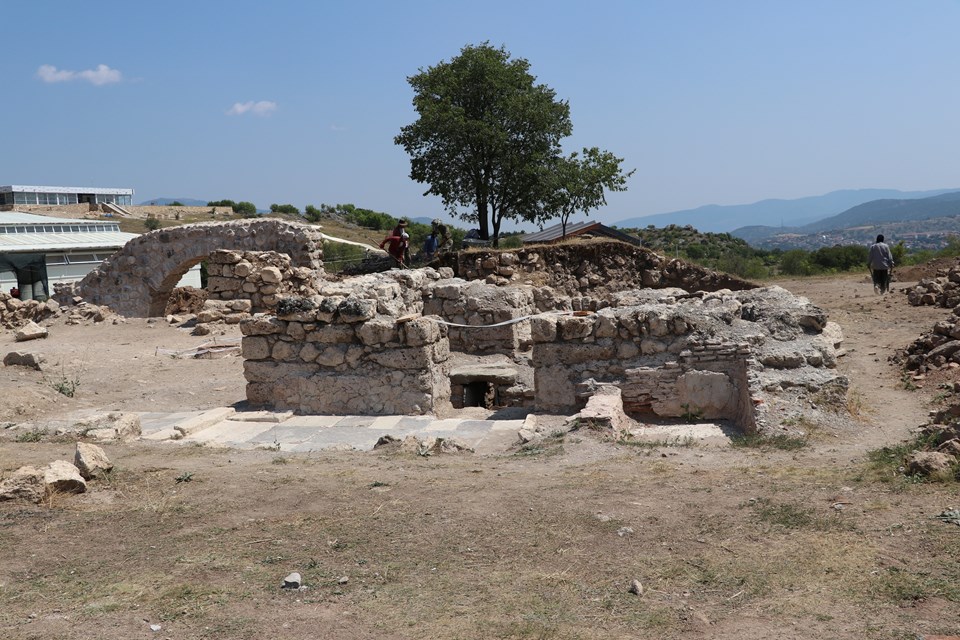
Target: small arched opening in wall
161 297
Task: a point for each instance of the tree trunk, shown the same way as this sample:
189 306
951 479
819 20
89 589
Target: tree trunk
482 215
497 219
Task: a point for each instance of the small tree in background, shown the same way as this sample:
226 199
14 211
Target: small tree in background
245 209
284 208
152 224
576 183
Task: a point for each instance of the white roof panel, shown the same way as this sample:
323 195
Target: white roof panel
45 189
44 242
19 217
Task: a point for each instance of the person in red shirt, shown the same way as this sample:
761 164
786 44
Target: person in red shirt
399 241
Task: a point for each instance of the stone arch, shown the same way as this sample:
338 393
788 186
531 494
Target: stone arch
137 280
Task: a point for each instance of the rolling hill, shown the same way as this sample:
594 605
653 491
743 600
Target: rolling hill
921 223
789 213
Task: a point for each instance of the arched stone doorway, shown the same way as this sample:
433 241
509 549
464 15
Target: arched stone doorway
137 280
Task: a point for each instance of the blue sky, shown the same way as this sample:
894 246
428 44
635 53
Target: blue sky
298 102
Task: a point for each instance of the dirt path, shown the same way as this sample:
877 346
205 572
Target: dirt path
874 328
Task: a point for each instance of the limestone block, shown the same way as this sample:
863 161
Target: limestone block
332 334
575 327
782 359
269 289
929 462
606 327
379 330
262 326
255 348
309 352
284 351
404 358
26 483
421 331
91 460
554 389
296 331
249 287
271 275
242 269
332 356
216 284
545 354
604 410
448 290
543 328
63 477
241 306
235 318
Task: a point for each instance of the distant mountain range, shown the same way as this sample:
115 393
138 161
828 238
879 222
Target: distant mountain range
187 202
921 223
786 213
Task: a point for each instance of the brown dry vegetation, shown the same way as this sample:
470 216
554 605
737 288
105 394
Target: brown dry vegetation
806 541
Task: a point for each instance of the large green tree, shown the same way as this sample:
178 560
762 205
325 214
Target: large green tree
485 137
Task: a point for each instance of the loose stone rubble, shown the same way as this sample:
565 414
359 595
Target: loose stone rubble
935 349
941 291
15 313
30 484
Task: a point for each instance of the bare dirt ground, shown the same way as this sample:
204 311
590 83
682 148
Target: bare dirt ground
542 542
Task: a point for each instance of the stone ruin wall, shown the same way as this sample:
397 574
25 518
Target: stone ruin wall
241 283
137 280
595 267
350 350
353 347
657 357
479 305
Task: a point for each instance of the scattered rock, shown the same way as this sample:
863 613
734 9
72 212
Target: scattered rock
928 462
63 477
91 460
26 483
636 587
24 359
30 331
292 581
106 427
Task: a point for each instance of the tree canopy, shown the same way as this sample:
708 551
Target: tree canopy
577 183
486 136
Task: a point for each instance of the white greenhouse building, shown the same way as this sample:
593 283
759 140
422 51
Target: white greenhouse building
36 252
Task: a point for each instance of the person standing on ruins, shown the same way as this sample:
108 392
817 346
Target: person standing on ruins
399 241
880 263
